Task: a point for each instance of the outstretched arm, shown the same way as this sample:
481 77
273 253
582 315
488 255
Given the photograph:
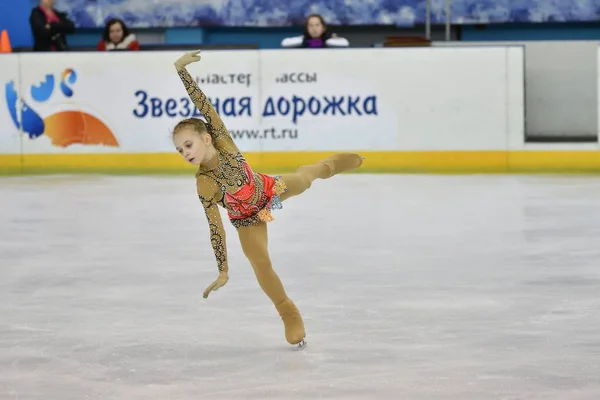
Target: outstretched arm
217 235
219 132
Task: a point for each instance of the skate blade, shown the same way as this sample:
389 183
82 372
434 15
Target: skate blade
300 346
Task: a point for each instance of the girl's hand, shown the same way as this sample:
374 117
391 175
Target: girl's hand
187 58
220 282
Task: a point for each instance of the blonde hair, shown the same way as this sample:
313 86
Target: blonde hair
196 124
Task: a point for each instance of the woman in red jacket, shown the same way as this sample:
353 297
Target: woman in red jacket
116 36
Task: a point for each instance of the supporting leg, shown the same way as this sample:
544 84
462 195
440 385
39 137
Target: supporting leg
254 241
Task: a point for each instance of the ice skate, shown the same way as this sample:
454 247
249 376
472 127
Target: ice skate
292 320
342 162
301 345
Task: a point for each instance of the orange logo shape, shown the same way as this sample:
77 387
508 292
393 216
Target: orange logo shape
77 127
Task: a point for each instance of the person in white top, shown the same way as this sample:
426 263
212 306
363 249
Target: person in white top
315 35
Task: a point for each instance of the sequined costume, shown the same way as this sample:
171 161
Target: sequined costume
248 196
227 180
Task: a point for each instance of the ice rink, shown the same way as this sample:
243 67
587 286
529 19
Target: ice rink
470 287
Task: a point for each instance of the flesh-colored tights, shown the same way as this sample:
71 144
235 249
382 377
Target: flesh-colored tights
254 239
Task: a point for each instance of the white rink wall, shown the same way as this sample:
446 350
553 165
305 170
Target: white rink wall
408 109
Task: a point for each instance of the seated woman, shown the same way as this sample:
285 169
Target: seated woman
315 35
116 36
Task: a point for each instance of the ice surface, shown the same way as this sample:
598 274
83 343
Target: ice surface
412 287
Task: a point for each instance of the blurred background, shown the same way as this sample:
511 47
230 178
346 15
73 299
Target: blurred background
264 23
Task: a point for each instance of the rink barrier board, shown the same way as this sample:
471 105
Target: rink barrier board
270 103
410 131
376 162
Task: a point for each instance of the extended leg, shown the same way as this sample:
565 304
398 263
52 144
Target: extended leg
304 176
254 241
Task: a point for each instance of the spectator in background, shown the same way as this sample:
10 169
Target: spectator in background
49 27
116 36
315 35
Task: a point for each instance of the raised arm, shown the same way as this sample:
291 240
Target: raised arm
206 194
217 128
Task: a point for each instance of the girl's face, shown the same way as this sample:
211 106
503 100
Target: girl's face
193 146
47 3
315 27
115 32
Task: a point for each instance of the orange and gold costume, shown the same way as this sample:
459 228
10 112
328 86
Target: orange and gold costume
229 181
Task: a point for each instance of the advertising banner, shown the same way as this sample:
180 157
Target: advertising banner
270 100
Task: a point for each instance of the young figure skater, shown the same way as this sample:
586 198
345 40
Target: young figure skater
224 178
